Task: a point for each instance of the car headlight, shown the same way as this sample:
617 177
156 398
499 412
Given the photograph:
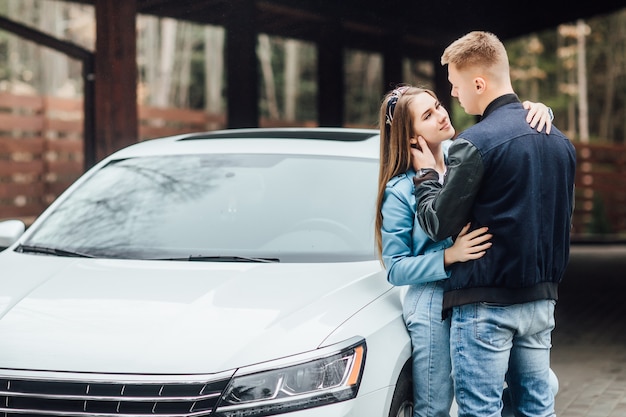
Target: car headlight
309 383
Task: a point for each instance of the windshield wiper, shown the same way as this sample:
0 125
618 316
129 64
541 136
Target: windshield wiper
221 258
51 251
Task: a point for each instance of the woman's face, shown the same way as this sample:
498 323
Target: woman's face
430 120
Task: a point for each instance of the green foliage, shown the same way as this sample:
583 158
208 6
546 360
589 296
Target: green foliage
363 81
555 71
460 119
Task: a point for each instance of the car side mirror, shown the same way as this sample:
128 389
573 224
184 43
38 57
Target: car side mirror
10 231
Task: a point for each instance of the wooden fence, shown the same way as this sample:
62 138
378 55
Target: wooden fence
600 191
41 155
40 152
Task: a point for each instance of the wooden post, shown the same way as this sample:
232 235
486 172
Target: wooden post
330 73
242 65
115 90
392 64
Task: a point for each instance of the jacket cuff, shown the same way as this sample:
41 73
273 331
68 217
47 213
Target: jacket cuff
425 175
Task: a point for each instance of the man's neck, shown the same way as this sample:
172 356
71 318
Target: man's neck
487 99
500 101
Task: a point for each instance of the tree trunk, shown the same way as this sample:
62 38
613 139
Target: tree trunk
373 77
184 60
265 56
583 104
57 69
571 107
24 59
214 68
292 75
167 57
149 50
13 45
606 119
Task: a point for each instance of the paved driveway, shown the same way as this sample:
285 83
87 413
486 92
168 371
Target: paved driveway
589 342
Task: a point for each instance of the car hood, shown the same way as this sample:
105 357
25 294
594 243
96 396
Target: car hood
164 317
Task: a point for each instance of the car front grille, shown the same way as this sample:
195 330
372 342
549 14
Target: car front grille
37 398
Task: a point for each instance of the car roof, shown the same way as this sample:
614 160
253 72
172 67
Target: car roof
307 141
319 133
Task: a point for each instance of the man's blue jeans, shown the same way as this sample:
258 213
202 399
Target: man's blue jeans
492 343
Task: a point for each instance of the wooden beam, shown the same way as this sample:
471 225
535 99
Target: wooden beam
116 122
392 63
242 65
330 75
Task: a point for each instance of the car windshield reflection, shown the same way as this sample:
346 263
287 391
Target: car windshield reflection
288 207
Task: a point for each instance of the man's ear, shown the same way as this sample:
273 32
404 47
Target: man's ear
479 84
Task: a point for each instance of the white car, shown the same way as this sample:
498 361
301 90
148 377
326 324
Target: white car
231 273
228 274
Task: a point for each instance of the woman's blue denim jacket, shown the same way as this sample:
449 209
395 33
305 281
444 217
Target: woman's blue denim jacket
409 255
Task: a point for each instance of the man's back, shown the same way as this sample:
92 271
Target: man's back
525 197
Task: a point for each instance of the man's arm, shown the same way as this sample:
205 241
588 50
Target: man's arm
443 210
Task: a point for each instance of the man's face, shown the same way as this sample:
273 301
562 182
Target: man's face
464 88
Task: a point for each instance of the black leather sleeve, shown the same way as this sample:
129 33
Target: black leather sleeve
443 210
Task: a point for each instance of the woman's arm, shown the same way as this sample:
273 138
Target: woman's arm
410 257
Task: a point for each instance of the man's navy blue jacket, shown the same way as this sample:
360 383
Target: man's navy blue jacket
505 175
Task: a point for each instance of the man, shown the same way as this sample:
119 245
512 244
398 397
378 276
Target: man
520 183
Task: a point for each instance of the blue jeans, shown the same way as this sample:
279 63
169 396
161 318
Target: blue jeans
491 344
433 389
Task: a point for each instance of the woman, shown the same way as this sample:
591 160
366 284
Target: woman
410 257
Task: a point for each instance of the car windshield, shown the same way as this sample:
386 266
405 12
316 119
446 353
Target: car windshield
287 208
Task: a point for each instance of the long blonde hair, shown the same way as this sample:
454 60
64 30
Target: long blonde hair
396 128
